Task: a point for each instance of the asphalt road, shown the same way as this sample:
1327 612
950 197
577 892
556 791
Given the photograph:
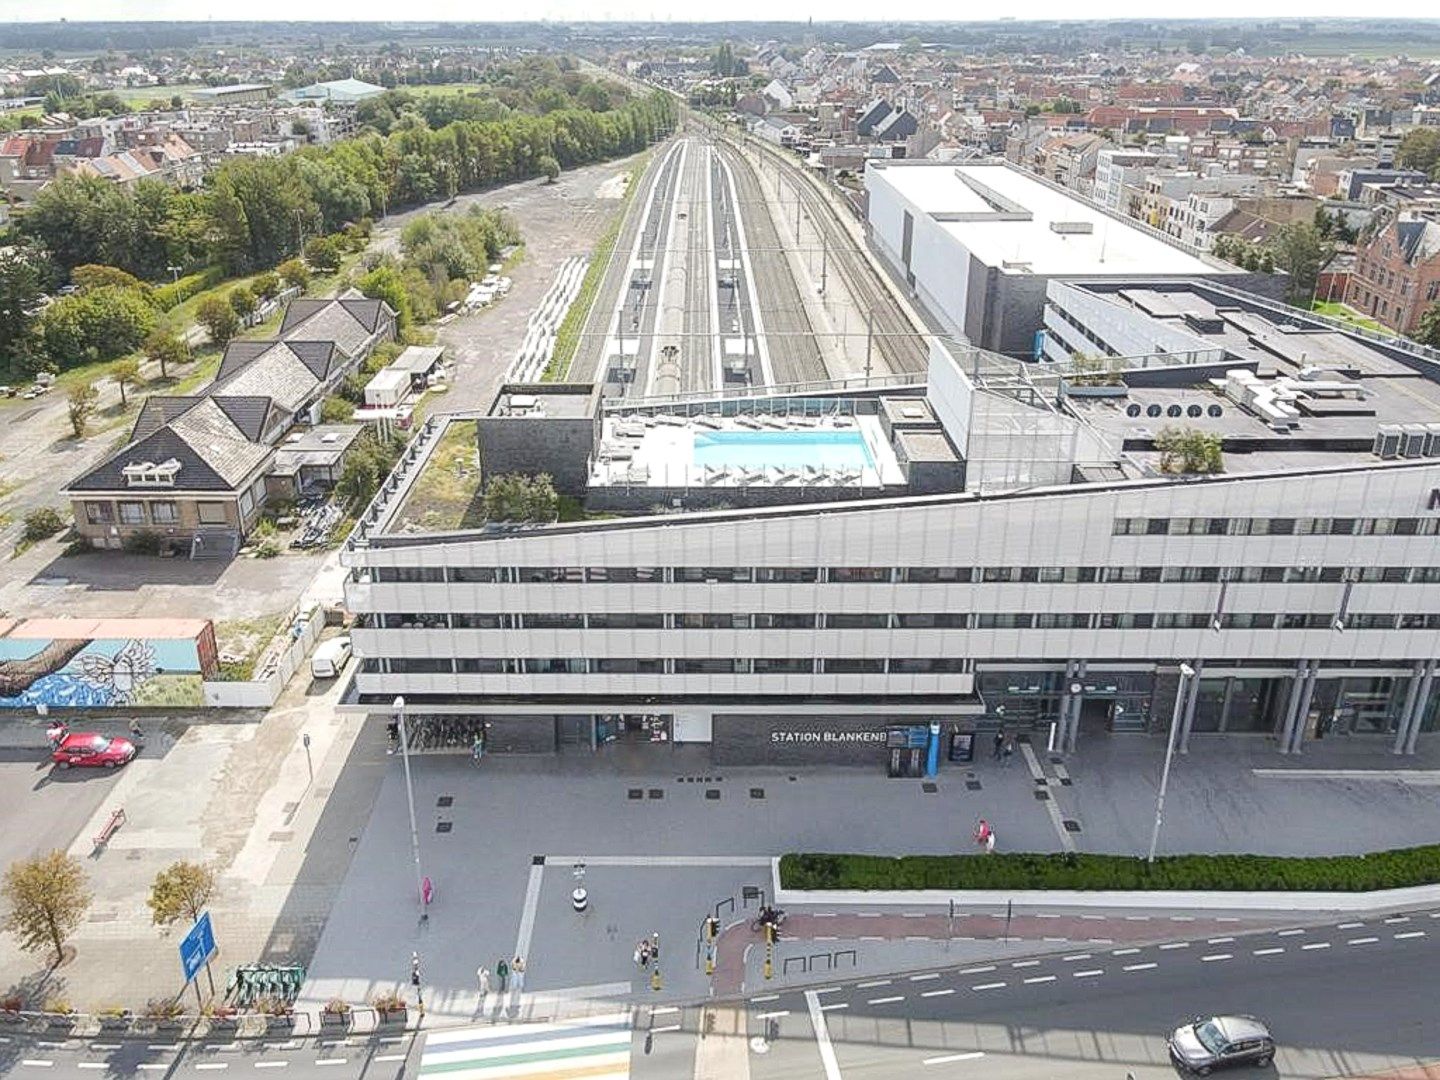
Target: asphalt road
1353 998
27 1057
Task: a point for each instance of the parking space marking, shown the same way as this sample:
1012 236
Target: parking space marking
988 986
924 978
937 993
1039 979
1089 974
1267 952
945 1059
1211 958
981 970
1362 941
1139 967
886 1000
1410 934
872 984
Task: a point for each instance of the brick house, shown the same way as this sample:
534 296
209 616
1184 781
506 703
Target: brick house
1397 274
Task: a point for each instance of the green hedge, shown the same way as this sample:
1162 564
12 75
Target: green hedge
177 292
1395 869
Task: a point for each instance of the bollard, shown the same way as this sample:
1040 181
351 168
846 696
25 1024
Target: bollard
655 978
580 901
710 959
769 950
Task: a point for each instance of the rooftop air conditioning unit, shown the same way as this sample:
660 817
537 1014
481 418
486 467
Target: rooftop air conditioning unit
1432 446
1413 443
1387 441
1072 228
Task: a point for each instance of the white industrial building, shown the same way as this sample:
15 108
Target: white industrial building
1044 570
977 243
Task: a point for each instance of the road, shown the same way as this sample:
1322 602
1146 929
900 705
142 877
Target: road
1350 998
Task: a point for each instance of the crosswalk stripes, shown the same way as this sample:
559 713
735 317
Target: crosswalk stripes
596 1048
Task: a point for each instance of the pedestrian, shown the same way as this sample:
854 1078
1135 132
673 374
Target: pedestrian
655 947
427 890
482 976
983 832
502 972
642 953
415 978
1007 750
990 842
392 729
517 969
999 746
136 734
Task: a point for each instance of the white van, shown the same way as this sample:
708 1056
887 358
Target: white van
330 657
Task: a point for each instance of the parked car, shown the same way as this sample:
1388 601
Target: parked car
90 749
1207 1043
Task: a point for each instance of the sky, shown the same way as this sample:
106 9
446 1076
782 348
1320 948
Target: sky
682 10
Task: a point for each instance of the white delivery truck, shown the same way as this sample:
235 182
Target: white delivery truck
330 657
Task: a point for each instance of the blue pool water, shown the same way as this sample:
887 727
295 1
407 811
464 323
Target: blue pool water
785 449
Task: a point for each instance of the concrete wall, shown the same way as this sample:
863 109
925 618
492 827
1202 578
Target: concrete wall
560 446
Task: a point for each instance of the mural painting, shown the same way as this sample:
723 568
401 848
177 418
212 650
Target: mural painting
95 663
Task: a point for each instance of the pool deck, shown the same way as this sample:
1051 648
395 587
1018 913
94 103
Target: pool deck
659 452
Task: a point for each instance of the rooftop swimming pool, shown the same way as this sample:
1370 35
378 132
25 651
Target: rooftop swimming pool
783 449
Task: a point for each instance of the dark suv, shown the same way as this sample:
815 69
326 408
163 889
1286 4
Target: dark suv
1208 1043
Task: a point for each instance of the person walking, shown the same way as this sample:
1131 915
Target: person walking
999 745
642 953
482 976
655 946
1007 750
983 832
415 979
502 972
517 969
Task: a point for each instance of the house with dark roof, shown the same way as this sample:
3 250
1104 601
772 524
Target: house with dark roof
198 469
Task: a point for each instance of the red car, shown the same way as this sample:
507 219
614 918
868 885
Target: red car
93 750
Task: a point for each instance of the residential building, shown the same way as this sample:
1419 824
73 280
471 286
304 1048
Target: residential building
338 91
1397 274
1120 174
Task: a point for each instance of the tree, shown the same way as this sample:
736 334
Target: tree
1420 149
1427 332
46 898
294 273
267 285
518 497
80 404
1299 251
165 348
94 276
41 523
1189 450
386 283
20 302
180 891
218 318
549 168
126 372
243 301
323 254
99 324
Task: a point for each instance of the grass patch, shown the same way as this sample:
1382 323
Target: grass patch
567 338
446 495
1345 313
240 643
1394 869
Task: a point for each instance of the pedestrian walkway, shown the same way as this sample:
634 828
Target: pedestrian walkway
597 1049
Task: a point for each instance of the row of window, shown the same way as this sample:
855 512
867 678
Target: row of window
630 665
1305 526
979 620
163 512
913 574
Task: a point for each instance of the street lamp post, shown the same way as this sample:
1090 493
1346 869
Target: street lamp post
1186 674
399 707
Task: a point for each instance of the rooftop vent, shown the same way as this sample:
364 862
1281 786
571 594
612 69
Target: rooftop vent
148 474
1072 228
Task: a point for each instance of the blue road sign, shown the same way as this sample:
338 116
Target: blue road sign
198 946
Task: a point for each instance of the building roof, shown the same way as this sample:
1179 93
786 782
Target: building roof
417 359
1013 221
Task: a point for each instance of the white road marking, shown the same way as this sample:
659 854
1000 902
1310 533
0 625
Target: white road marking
977 970
1139 967
945 1059
99 1046
1362 941
925 977
49 1044
988 986
1349 926
665 1029
1267 952
1039 979
822 1037
271 1064
1410 934
160 1046
765 997
1182 918
1137 918
90 1064
1124 952
937 993
1076 956
1176 945
837 1005
388 1057
912 914
1220 941
886 1000
821 937
664 1010
823 915
1210 958
1025 963
827 990
330 1061
1398 918
1288 933
776 1015
1315 945
532 905
1089 974
872 984
36 1063
214 1065
1097 918
152 1065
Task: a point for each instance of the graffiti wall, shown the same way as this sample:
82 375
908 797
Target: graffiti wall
97 663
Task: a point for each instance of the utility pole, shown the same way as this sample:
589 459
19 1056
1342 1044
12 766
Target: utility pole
399 707
824 260
1186 673
797 215
869 338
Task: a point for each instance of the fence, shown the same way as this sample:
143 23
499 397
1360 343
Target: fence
281 659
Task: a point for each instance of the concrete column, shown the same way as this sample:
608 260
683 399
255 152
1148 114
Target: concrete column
1062 722
1303 713
1287 706
1422 700
1407 714
1292 706
1192 695
1074 730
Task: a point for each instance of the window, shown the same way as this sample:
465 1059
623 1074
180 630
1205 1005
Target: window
1157 526
992 574
1370 622
470 620
924 620
420 666
771 665
549 573
1181 620
856 622
854 665
474 575
625 573
1305 620
859 574
1126 620
627 621
798 574
709 666
928 574
785 621
944 665
132 513
404 620
553 621
1128 527
479 665
1241 620
412 575
561 665
1002 620
1051 620
99 513
164 513
712 573
627 665
711 621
